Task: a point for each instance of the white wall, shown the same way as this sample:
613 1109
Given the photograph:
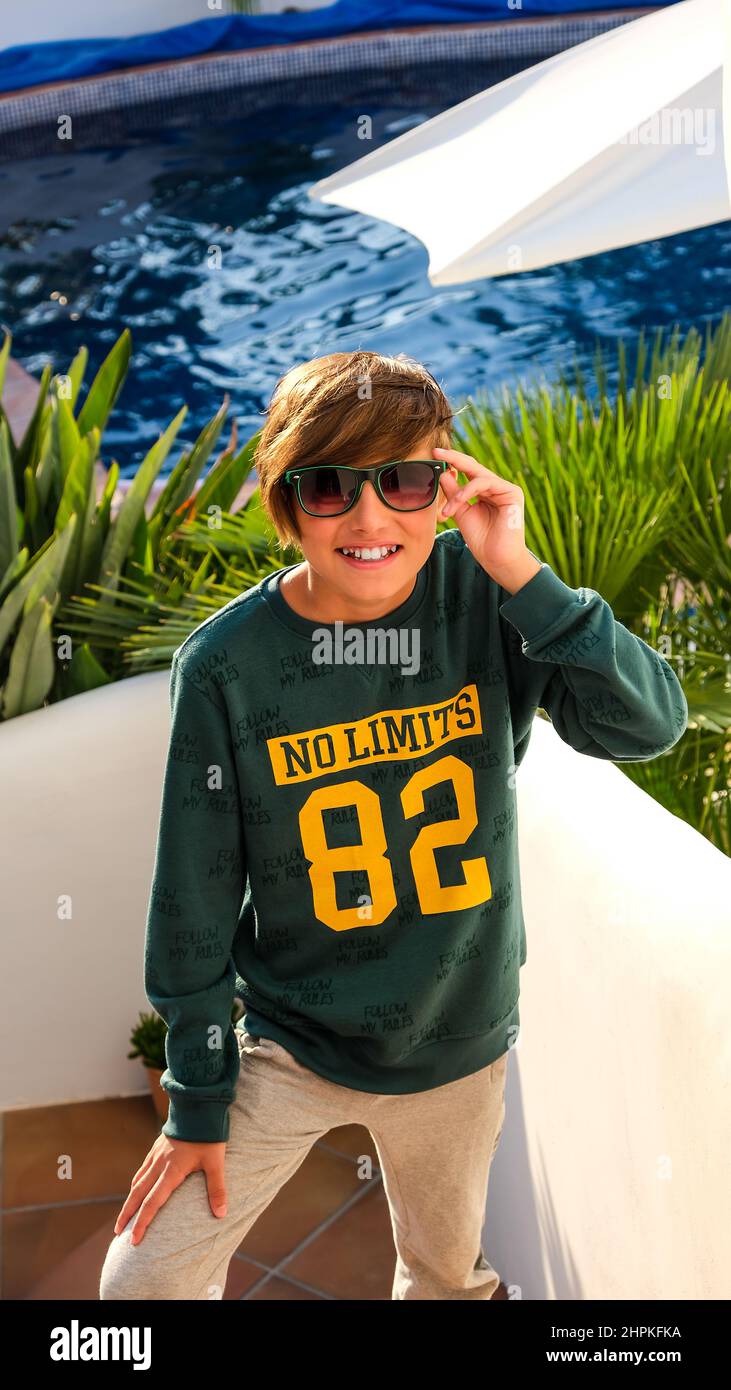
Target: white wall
611 1177
42 21
612 1172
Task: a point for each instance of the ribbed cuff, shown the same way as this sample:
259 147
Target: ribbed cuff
197 1121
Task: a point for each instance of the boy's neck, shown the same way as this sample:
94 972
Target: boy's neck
326 605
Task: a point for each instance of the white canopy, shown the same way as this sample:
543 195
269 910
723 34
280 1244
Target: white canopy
618 140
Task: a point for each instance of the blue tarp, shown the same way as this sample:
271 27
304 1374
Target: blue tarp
27 65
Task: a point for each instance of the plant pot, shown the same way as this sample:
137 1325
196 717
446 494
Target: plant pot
160 1098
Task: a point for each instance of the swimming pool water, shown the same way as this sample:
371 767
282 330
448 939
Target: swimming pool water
124 235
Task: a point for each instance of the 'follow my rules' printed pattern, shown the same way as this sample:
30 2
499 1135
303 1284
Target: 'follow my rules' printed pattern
337 845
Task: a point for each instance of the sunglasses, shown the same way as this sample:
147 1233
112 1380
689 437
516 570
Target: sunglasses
405 485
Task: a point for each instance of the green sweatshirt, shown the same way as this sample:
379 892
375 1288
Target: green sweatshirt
338 840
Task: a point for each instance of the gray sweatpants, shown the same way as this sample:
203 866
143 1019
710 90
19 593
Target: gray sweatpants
434 1150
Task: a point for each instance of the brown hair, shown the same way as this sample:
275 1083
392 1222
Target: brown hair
348 407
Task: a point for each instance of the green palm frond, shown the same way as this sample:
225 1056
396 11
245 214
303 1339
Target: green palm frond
632 497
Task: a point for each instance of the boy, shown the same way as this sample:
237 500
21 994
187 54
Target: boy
338 840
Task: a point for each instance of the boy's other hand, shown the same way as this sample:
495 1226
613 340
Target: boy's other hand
167 1165
493 527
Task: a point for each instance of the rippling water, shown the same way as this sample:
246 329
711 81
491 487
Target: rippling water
124 235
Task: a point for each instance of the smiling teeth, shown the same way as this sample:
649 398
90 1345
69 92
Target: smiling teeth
377 552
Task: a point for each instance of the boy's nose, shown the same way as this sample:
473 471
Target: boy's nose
369 501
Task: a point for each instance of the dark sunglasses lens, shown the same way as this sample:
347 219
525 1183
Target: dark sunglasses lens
409 485
327 491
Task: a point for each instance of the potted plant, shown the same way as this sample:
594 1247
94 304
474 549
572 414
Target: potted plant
148 1043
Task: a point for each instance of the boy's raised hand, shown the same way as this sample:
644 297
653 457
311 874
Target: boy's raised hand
167 1165
493 528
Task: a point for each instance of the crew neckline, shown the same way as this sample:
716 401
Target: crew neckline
271 593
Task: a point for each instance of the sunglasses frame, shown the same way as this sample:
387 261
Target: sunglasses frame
293 475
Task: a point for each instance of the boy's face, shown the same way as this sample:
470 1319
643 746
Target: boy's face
370 523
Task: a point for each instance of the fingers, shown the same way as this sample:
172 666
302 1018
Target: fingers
164 1170
464 462
448 484
444 496
136 1194
461 496
133 1201
215 1182
470 466
490 485
156 1198
146 1165
140 1184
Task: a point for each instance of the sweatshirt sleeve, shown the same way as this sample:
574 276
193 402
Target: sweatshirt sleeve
197 891
606 692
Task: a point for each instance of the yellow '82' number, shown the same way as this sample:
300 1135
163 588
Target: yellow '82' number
370 854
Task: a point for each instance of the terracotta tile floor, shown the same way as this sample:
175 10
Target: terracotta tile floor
66 1172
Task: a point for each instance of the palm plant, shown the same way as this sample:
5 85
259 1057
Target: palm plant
632 498
70 570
